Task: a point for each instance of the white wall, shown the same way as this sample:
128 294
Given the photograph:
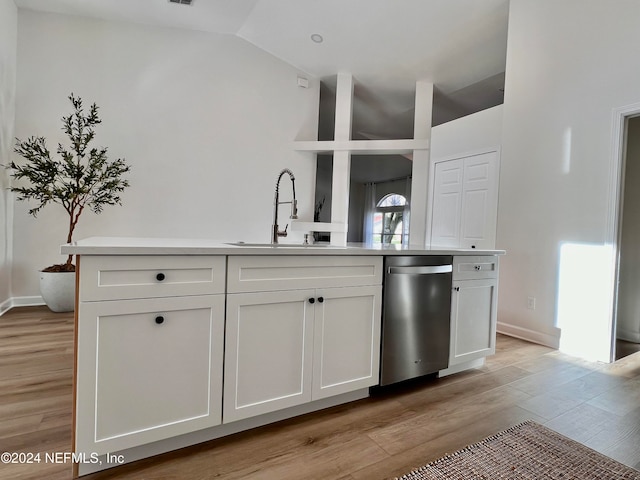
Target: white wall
474 134
8 45
206 121
569 64
628 314
470 134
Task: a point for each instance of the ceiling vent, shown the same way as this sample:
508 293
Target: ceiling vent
182 2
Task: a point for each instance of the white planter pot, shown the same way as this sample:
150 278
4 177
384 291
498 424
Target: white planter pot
58 290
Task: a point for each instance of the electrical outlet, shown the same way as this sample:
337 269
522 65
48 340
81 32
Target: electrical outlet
531 303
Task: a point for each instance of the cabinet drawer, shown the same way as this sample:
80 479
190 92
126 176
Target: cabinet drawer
474 267
127 277
272 273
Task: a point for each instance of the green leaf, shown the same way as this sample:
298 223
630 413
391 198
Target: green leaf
79 176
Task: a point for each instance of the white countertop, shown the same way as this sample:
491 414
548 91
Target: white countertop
184 246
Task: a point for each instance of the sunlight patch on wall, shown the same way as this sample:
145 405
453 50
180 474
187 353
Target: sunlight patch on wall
585 291
566 150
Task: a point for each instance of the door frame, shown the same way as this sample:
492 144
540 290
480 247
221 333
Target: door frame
620 117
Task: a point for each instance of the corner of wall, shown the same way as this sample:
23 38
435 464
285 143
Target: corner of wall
8 65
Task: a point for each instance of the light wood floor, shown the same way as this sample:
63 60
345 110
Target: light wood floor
377 438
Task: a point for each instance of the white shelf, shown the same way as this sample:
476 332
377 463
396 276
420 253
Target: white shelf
369 147
317 226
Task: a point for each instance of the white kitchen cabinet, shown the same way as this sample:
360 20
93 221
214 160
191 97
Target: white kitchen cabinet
473 309
274 273
346 345
285 348
120 277
465 202
147 368
268 352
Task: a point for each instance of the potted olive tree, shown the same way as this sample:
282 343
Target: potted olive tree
80 177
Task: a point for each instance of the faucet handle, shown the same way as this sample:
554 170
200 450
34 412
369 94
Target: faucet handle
283 233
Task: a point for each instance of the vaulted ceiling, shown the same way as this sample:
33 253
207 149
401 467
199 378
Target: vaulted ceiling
459 45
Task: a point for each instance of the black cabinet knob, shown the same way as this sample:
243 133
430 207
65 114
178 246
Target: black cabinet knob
321 299
312 300
159 319
160 277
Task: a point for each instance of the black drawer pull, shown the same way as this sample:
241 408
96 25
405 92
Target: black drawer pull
159 319
321 299
312 300
160 277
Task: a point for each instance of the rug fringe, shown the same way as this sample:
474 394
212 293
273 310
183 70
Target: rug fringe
468 448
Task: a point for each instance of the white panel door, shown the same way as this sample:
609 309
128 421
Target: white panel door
447 203
473 320
346 340
479 201
151 369
268 352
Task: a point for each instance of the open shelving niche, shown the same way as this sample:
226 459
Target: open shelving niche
342 147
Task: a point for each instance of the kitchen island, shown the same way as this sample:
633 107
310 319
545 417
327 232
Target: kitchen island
182 341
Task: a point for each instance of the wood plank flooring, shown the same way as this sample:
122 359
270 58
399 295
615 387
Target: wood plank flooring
380 437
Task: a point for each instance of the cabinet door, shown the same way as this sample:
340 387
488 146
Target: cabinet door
464 208
268 352
150 369
347 340
479 201
473 320
447 203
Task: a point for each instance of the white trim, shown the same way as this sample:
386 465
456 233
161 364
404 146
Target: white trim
13 302
300 226
470 153
362 147
541 338
420 169
5 306
614 210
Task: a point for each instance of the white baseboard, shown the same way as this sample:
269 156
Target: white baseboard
628 335
12 302
545 339
5 306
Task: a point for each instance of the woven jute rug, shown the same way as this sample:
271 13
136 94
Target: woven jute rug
525 451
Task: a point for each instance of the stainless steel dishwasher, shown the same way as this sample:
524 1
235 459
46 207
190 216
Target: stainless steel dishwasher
416 316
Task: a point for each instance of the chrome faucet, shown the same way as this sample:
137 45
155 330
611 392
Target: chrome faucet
275 231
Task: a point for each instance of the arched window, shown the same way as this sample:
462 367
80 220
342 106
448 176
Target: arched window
388 219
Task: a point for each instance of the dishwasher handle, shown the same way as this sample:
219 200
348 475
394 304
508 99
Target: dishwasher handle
420 270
